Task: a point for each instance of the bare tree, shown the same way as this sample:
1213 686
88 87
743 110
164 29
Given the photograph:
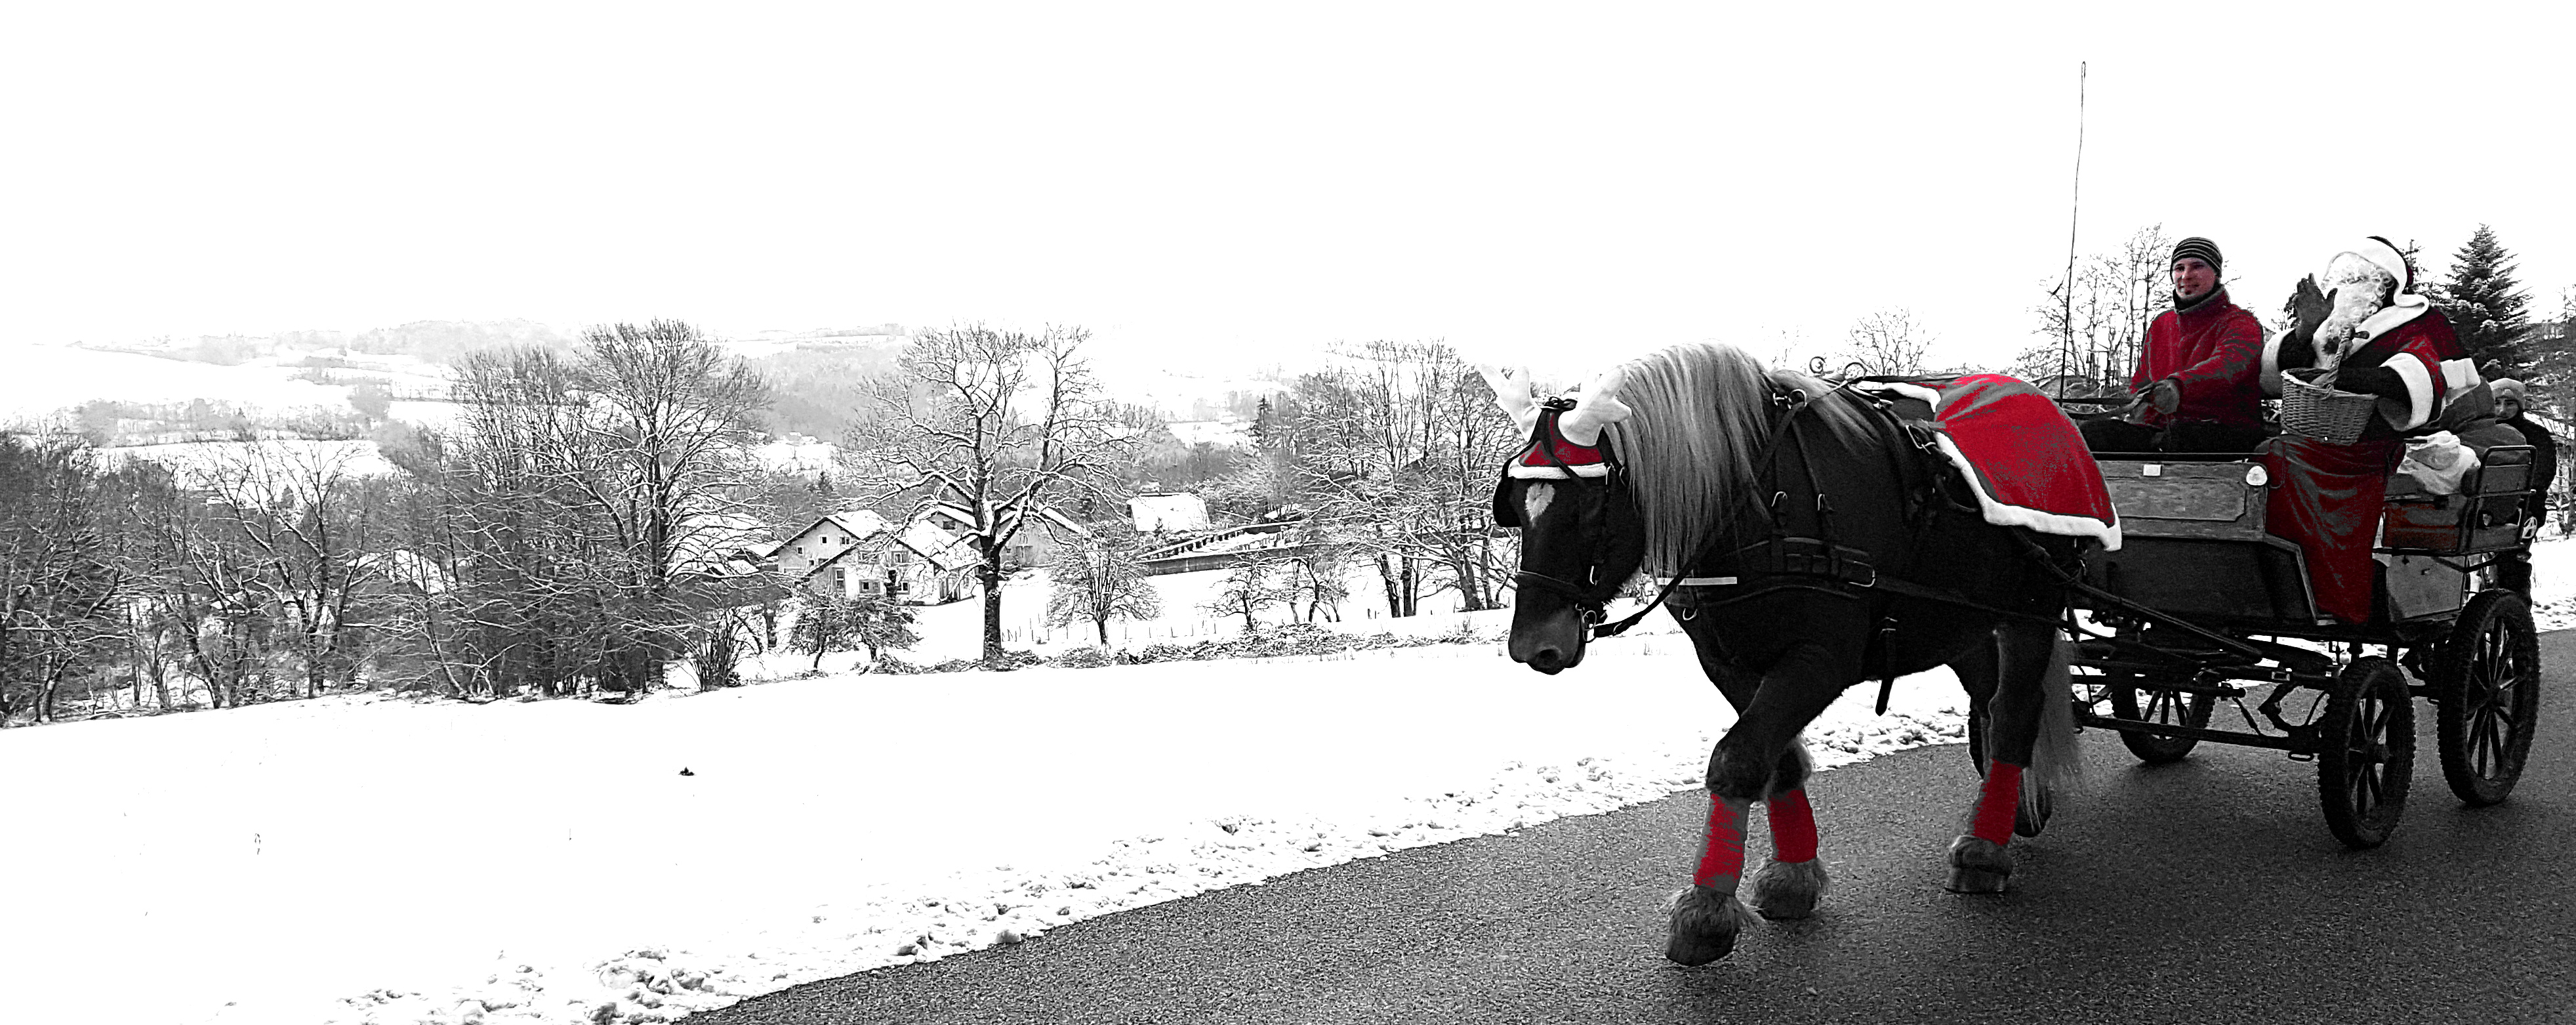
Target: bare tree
987 425
306 521
1315 585
1096 580
580 511
1888 341
1396 447
677 420
59 580
2116 295
1247 589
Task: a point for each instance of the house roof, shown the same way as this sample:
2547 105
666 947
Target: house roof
943 549
959 516
1182 511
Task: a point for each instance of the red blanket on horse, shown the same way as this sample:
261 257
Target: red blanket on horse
2030 466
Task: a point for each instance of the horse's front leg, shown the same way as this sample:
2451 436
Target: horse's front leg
1753 761
1794 881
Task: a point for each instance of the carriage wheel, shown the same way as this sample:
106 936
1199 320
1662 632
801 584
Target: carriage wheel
2487 676
2366 755
2167 707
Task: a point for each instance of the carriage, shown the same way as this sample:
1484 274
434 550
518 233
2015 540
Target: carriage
2202 608
1808 535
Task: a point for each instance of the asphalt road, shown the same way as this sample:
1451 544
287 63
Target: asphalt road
2203 892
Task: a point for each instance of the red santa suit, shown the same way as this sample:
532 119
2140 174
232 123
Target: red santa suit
2329 499
2213 352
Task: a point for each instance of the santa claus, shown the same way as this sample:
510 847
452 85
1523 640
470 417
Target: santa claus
2362 318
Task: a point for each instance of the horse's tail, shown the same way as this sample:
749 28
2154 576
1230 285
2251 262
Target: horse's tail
2056 760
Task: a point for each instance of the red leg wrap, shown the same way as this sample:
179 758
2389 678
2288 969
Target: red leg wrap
1724 856
1995 807
1793 828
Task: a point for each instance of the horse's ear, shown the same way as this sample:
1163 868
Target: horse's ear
1513 394
1506 514
1598 406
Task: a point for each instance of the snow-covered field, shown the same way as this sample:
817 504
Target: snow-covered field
46 378
355 860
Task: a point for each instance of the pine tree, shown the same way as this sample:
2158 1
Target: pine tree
2487 307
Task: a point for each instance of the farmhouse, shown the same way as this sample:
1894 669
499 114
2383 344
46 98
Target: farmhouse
854 553
1040 537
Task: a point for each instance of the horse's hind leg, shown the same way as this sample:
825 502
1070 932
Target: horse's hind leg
2031 677
1979 673
1794 881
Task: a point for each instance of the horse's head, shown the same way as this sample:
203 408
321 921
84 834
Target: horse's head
1581 537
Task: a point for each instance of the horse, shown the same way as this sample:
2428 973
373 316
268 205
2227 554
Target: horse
1808 540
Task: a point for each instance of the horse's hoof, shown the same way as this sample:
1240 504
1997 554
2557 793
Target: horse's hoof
1704 925
1978 866
1789 889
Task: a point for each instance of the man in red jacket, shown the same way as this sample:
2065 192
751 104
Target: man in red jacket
2198 385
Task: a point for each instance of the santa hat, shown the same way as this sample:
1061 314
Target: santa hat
2383 254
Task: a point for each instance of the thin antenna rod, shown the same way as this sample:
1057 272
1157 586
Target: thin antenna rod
2066 293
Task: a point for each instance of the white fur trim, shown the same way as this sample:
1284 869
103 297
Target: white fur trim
2003 515
1902 390
1551 472
2386 258
2458 374
2419 391
2387 320
2272 365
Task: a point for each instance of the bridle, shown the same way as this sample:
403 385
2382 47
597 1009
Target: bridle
1589 603
1592 607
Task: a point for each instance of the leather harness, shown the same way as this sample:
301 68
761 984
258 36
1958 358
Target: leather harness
1780 561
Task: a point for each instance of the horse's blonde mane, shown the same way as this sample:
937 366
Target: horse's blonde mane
1702 412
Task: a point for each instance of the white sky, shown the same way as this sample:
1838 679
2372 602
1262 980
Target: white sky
1227 183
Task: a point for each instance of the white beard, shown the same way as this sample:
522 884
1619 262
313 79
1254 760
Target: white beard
2354 303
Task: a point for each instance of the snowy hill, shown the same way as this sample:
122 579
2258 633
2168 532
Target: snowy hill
43 379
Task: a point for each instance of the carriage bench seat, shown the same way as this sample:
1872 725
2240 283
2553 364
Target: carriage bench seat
2213 498
2488 515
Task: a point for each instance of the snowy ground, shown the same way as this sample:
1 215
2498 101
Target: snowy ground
390 861
46 378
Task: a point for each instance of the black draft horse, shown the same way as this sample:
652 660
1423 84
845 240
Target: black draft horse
1815 545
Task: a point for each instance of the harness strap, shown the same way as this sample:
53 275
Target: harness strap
1786 407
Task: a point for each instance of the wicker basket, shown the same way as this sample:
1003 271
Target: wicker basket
2310 405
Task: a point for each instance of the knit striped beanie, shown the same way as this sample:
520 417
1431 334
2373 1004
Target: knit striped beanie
2203 248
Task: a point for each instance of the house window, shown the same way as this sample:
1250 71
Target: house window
840 580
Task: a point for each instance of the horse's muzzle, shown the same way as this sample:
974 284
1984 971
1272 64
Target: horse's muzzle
1550 642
